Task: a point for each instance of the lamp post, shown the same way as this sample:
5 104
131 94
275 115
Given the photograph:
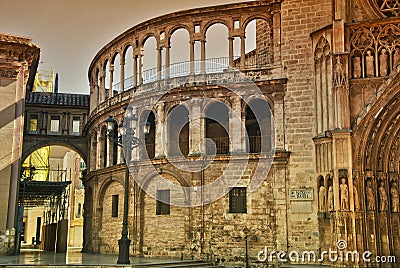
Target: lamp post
132 142
246 233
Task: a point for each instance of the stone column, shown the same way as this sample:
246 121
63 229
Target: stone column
242 51
135 73
93 95
276 24
99 150
61 123
279 214
203 56
191 43
159 62
43 128
279 121
122 75
140 68
230 52
342 166
235 126
97 96
120 153
167 61
196 128
110 90
93 152
110 147
102 86
160 144
67 121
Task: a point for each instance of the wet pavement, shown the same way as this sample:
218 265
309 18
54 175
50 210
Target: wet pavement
71 258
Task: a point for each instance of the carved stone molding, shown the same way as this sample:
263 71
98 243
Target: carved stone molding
9 73
374 50
378 9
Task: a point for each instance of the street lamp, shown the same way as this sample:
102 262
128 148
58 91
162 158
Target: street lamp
246 232
132 142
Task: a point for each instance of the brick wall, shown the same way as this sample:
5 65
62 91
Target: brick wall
299 19
111 226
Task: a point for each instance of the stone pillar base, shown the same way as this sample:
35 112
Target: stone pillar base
7 242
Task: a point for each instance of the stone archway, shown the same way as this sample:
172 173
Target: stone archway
76 144
376 158
106 224
157 237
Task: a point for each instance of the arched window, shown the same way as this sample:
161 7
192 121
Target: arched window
148 117
180 53
116 78
178 125
107 89
217 48
258 126
217 128
149 71
128 68
257 44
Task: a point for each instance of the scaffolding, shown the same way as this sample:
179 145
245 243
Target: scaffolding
37 165
44 81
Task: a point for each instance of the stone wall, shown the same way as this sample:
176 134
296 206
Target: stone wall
110 231
299 19
18 62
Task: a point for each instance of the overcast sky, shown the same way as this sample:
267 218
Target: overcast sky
71 32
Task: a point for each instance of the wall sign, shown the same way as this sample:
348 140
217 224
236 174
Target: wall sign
301 194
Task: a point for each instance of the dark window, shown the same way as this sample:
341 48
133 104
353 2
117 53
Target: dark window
114 211
237 200
78 214
163 200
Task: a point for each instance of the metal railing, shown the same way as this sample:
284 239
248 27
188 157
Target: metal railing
254 145
179 69
221 146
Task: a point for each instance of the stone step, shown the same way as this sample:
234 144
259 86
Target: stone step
197 264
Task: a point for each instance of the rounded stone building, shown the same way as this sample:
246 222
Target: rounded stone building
264 120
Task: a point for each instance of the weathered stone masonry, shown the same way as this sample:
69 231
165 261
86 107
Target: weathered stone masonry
328 71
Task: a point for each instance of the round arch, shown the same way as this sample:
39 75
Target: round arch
255 17
210 102
254 98
125 48
178 130
27 150
149 177
114 55
105 63
176 27
213 22
372 127
146 36
104 186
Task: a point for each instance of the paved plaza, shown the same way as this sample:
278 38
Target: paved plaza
72 258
